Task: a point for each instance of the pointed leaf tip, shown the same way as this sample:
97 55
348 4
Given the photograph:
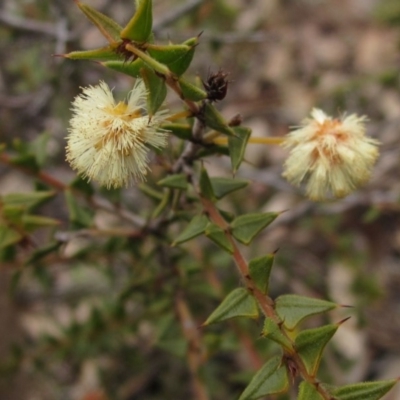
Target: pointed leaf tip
293 309
140 26
310 345
238 303
246 227
270 379
364 390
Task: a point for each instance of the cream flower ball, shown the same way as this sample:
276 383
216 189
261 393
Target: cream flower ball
108 141
333 156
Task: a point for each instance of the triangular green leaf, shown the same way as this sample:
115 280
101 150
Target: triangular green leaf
364 391
139 27
271 331
190 91
270 379
224 186
292 308
176 56
237 145
307 391
260 270
8 236
182 131
27 200
214 120
238 303
101 54
195 228
246 227
157 90
219 237
79 216
131 68
310 344
206 188
176 181
108 27
32 222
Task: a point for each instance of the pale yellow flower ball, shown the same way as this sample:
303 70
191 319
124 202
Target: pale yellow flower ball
333 156
108 141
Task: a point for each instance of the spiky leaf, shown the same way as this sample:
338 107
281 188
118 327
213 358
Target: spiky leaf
139 27
224 186
176 181
270 379
108 27
176 56
364 391
310 344
206 188
79 216
214 120
131 68
195 228
292 309
246 227
190 91
27 200
182 131
260 270
8 236
237 145
101 54
219 237
157 90
271 331
238 303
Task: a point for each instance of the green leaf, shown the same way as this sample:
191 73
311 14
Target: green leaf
223 186
139 27
157 90
79 216
176 181
182 131
215 120
307 391
195 228
246 227
27 200
218 236
310 344
270 379
271 331
237 145
32 222
128 68
101 54
364 391
292 309
260 270
238 303
8 236
206 188
38 146
108 27
190 91
176 56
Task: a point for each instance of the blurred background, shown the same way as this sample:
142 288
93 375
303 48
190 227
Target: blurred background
283 58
